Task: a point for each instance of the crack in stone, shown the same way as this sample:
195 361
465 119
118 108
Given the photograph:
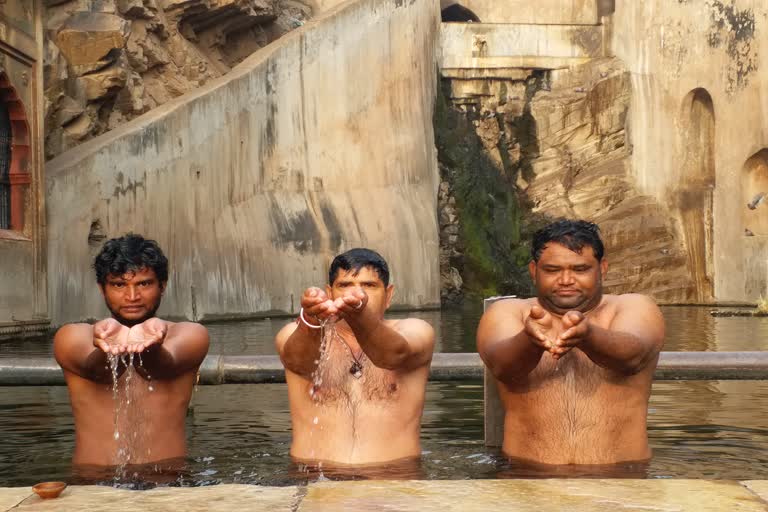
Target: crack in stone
753 493
19 503
301 493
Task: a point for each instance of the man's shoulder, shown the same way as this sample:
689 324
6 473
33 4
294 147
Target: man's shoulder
633 300
187 329
413 325
72 331
193 326
509 305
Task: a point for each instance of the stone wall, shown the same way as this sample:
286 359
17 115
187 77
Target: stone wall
109 61
699 113
558 142
317 143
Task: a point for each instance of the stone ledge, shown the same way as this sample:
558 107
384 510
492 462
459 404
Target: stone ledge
422 496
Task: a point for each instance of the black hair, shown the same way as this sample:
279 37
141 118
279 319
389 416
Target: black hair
573 234
355 259
130 253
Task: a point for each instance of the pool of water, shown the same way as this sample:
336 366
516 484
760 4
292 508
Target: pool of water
241 434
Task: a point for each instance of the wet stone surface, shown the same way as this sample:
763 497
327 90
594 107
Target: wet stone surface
759 487
421 496
213 498
534 496
12 496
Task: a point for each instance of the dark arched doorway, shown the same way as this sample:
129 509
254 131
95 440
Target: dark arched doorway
15 157
754 215
6 140
457 13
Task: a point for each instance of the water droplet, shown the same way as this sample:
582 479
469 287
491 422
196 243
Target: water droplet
151 388
316 420
117 435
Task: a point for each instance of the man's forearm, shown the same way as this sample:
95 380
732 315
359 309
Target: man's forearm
302 350
617 351
157 361
97 368
385 347
513 358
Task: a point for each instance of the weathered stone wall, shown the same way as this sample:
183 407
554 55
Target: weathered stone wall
23 297
109 61
318 143
557 141
699 71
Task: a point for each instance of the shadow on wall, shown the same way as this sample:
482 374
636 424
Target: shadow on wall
457 13
606 7
693 197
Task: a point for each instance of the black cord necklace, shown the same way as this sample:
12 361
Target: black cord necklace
357 364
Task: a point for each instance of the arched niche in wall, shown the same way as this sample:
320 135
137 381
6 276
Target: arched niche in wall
455 12
15 157
754 216
695 191
754 185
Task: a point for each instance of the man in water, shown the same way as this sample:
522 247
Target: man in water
357 396
573 366
162 359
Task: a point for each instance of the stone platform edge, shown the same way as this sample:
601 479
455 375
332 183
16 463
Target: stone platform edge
415 495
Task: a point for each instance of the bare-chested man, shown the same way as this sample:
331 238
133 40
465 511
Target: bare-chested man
363 403
132 274
574 367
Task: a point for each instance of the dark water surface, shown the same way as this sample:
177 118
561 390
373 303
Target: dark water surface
241 433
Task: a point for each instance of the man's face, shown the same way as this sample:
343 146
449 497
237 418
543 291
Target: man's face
367 280
134 296
566 280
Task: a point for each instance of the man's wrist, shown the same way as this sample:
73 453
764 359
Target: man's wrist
308 322
586 338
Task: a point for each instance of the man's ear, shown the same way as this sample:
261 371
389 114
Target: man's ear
101 289
163 286
532 270
328 290
390 294
603 267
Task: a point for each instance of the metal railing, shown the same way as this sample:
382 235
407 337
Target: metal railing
223 369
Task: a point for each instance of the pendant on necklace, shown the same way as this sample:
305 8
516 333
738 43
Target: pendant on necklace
356 370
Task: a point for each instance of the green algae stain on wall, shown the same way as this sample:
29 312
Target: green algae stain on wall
495 220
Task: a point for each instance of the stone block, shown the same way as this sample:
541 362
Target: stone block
532 496
67 109
135 9
88 38
104 83
80 128
212 498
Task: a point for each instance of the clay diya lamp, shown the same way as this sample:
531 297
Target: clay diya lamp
48 490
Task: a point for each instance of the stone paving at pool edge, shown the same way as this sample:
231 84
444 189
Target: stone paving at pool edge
417 496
